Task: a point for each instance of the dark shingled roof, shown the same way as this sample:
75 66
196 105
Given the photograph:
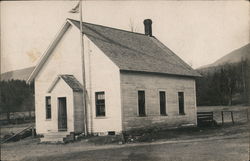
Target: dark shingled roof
135 52
72 82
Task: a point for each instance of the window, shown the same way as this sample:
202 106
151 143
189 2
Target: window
181 103
111 132
48 107
162 95
100 103
141 103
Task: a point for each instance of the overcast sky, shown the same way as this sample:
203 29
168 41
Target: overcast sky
199 32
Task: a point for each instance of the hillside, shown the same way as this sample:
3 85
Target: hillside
235 56
21 74
227 80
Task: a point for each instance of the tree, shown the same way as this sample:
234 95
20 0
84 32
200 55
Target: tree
225 85
132 26
13 95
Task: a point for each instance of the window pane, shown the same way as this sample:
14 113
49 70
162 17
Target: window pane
48 113
102 110
100 96
48 101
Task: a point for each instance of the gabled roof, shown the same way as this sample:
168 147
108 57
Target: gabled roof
72 82
134 51
130 51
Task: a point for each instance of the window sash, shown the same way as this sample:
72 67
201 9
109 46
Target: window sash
162 97
100 104
181 103
141 103
48 107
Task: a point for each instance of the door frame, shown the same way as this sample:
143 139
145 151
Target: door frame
58 114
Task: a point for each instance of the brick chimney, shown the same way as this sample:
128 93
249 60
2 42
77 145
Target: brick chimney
148 27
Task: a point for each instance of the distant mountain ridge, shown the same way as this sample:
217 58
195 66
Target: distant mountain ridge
21 74
227 80
235 56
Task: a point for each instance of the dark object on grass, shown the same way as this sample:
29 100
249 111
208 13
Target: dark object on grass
157 133
108 139
29 131
205 119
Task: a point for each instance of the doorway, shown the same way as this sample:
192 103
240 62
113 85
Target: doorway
62 114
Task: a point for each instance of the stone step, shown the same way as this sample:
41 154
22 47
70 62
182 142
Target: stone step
54 137
52 140
57 134
58 137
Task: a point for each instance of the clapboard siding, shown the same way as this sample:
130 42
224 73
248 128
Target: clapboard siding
78 112
131 82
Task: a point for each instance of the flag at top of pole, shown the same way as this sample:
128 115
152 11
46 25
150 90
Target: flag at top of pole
76 8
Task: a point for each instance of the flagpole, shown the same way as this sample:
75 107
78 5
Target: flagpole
83 72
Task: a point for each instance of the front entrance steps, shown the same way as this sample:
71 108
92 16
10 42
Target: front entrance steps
58 137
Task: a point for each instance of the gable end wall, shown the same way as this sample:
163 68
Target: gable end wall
64 59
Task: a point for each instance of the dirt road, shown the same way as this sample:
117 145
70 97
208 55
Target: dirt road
225 143
229 142
227 149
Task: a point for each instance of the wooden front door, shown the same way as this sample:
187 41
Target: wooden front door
62 114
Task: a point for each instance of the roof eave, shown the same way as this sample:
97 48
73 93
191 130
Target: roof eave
160 73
